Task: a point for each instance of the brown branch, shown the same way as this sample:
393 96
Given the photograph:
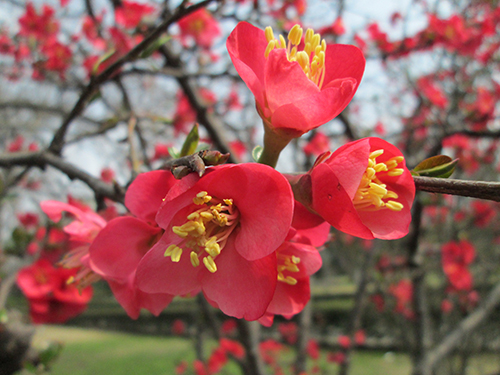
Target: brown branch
474 189
41 159
95 82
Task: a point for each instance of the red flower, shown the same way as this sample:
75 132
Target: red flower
344 341
58 57
42 27
118 248
185 115
130 14
82 231
456 258
319 144
51 298
201 26
403 292
363 189
295 91
218 238
298 258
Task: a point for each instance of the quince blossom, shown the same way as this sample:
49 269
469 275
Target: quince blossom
221 234
298 85
119 247
363 189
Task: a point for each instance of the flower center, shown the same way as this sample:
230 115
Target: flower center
372 194
287 263
78 258
311 59
206 230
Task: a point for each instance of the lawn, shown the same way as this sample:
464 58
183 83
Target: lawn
95 352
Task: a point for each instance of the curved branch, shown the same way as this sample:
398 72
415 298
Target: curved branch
41 159
58 141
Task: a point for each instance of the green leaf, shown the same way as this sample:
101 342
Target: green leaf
174 153
102 59
154 46
4 318
191 142
440 166
257 152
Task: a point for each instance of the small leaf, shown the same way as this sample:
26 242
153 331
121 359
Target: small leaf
154 46
257 152
3 316
174 153
102 59
440 166
191 142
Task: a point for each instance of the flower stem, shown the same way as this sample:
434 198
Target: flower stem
273 145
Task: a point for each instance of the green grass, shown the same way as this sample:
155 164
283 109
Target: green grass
94 352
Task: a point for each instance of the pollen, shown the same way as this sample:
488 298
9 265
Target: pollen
311 58
372 193
286 264
205 231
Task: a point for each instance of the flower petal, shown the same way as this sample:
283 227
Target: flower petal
145 194
118 248
241 288
158 274
246 46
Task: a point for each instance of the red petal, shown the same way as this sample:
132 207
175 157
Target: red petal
145 194
241 288
343 61
314 110
285 81
246 46
331 201
158 274
118 248
264 199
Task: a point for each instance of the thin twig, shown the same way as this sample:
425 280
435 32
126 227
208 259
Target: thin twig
58 141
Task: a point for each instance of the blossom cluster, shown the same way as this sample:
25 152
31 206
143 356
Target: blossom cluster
245 235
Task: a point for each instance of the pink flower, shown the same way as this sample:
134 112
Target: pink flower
118 248
130 13
297 259
201 26
363 189
295 90
41 27
221 234
51 298
319 144
456 258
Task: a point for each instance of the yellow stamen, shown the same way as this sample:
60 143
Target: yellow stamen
206 230
195 261
372 194
209 263
289 264
311 59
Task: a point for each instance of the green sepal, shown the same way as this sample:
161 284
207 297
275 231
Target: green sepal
257 152
191 142
440 166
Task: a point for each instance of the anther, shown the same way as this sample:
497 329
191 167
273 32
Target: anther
195 261
209 263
